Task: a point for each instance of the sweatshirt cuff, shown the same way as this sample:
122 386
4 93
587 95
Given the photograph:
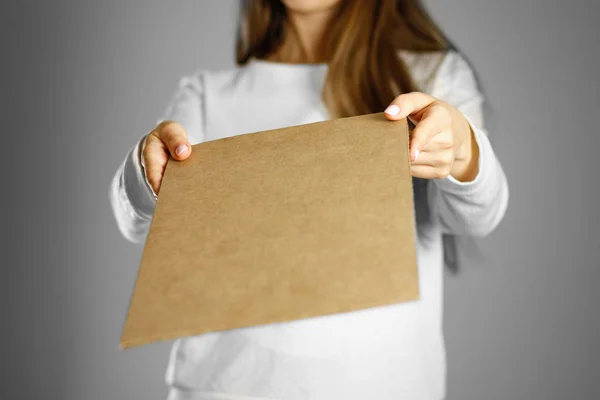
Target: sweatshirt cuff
486 165
137 188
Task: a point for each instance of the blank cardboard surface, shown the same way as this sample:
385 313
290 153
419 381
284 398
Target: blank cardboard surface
276 226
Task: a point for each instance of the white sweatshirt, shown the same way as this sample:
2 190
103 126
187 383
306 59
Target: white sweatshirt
387 353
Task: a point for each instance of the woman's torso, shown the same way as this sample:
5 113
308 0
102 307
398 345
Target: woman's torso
383 353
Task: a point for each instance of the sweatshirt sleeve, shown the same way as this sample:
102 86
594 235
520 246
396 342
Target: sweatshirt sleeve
131 196
472 208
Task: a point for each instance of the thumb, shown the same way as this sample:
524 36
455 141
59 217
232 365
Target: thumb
408 104
174 136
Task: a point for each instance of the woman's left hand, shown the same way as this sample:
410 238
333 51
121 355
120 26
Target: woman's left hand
442 142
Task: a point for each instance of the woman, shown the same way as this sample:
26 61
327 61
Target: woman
302 61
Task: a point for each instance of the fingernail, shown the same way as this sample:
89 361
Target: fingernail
416 155
392 110
180 149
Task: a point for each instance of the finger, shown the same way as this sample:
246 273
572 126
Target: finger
429 172
408 104
436 121
155 157
426 130
421 135
174 136
437 159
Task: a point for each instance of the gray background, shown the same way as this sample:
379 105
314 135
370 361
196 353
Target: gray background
82 80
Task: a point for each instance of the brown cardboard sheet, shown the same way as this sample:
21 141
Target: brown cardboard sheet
276 226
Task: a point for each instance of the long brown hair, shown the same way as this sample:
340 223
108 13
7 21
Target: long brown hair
365 71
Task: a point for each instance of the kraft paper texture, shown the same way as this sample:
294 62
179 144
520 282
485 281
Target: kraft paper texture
276 226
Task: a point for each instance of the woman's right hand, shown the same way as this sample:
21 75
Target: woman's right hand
168 139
